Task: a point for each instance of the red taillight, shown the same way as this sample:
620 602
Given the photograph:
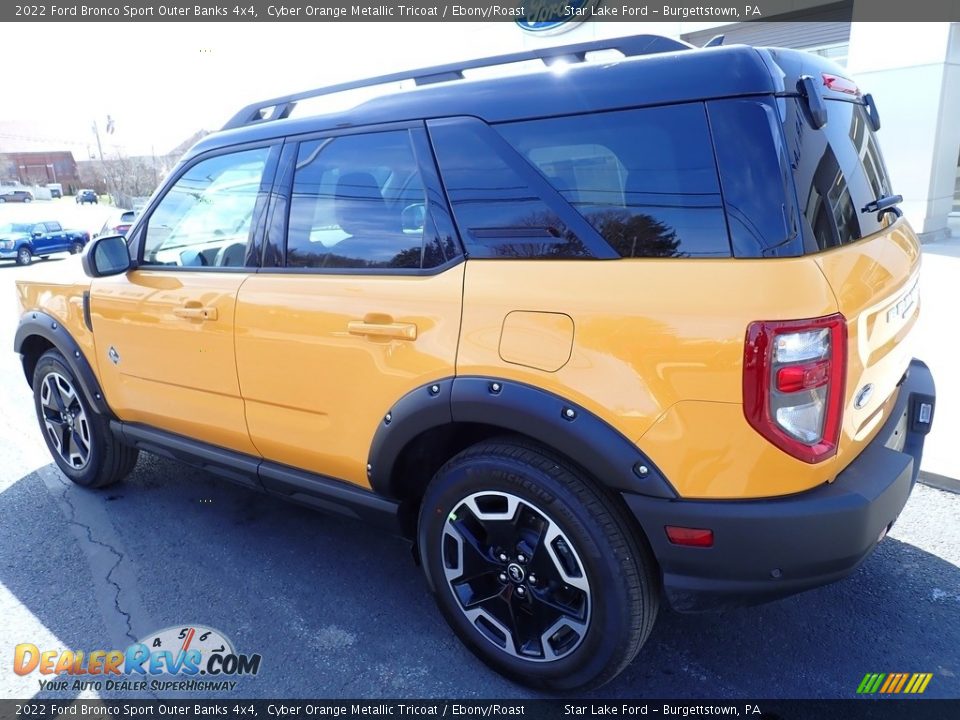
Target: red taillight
692 537
793 384
794 378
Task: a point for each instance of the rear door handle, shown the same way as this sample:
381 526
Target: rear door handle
195 311
401 331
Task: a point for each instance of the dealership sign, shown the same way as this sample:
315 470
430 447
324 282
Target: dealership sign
552 17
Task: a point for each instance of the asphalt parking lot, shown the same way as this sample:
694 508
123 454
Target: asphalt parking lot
339 610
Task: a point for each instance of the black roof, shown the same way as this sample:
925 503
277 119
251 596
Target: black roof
684 75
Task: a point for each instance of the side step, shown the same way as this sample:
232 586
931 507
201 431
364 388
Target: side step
310 489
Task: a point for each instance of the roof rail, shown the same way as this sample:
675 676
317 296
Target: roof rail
280 107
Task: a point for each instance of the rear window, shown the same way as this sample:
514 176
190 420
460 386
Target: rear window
645 179
837 171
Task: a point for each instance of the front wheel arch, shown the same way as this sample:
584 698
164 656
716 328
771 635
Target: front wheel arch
39 332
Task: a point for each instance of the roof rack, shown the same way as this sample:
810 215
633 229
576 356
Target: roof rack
280 107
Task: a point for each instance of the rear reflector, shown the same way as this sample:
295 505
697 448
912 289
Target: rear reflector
692 537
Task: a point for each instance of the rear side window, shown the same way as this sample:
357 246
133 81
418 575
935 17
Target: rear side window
837 171
755 177
500 212
359 202
645 179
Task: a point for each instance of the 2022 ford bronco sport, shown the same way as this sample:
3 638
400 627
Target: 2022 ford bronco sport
589 338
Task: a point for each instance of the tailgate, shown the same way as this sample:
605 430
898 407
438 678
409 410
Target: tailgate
870 258
876 285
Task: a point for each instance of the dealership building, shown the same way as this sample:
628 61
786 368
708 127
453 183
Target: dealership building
911 69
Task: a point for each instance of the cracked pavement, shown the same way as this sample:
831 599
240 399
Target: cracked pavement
339 610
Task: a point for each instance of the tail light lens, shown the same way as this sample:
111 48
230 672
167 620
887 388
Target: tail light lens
793 384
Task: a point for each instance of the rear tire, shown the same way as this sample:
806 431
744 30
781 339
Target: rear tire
80 440
76 248
538 572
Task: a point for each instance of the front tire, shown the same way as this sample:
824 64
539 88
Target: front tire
537 571
79 439
24 256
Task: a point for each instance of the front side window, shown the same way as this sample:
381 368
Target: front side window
645 179
206 218
358 202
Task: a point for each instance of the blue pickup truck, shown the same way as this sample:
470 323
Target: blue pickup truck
24 241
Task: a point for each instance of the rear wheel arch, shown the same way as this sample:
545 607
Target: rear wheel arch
435 422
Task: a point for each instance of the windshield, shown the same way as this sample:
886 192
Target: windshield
14 228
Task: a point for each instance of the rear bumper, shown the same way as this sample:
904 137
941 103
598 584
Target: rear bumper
771 548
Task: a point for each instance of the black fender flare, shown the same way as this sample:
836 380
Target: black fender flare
40 324
567 427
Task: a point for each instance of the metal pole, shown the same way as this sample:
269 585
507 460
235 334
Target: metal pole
96 132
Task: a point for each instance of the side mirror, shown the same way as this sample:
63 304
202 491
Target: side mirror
37 234
107 255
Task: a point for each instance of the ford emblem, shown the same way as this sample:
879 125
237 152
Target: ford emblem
552 17
863 395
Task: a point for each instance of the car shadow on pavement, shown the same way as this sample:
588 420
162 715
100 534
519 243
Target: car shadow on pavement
337 609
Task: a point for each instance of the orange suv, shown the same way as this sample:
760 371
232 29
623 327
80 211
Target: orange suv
590 339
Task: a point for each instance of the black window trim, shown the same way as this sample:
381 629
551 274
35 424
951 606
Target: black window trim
283 190
267 181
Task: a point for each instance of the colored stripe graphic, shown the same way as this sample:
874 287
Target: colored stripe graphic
918 683
870 683
894 683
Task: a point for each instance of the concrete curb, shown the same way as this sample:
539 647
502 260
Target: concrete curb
940 482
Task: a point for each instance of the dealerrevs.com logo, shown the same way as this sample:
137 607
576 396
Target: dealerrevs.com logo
184 651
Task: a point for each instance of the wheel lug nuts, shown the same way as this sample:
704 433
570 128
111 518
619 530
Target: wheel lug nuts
521 591
521 558
533 579
503 557
503 577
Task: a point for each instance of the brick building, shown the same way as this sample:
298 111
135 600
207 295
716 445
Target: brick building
40 168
